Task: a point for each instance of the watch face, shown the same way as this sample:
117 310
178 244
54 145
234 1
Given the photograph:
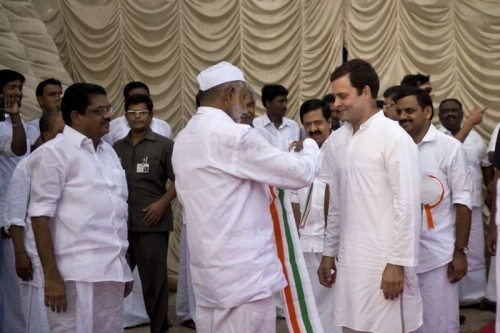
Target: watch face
466 250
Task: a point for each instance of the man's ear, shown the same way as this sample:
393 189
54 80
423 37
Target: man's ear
39 100
75 119
367 92
427 112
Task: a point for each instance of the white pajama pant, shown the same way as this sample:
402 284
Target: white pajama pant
92 307
33 304
472 286
253 317
322 295
491 284
440 302
185 304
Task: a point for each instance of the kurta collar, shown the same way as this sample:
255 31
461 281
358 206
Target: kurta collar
268 122
214 113
431 134
77 138
372 120
444 130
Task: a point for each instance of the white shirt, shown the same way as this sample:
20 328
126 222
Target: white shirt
374 191
312 233
373 219
85 192
475 150
221 169
119 128
8 164
16 209
442 157
280 137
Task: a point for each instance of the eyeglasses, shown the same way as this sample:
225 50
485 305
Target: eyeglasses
386 106
102 111
137 112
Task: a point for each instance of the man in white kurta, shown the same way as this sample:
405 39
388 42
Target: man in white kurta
371 238
446 197
78 209
472 286
16 131
221 169
308 206
18 225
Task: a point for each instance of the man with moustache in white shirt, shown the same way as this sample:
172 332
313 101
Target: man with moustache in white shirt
79 208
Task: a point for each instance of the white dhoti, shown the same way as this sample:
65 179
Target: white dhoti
440 301
33 304
92 307
472 286
13 313
491 284
322 295
254 317
360 304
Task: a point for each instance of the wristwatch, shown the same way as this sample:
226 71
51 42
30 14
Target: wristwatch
463 250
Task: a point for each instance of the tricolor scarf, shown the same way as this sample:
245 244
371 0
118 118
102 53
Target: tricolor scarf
298 299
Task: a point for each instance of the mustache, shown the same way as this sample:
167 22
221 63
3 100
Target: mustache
314 133
404 121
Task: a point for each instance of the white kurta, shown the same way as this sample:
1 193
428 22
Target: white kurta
443 158
373 220
85 192
221 168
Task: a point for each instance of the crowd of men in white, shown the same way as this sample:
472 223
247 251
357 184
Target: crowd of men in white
388 207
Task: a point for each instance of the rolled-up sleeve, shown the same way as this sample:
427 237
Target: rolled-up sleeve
47 184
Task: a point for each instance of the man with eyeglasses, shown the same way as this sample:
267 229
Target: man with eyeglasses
118 128
79 214
390 104
472 286
308 206
146 158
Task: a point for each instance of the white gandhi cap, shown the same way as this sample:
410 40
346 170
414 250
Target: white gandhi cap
218 74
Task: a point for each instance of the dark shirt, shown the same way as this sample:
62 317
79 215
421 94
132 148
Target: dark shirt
144 188
496 159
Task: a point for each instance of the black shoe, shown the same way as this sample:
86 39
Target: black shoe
487 305
189 324
462 319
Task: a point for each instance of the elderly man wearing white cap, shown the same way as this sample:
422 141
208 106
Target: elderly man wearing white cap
221 169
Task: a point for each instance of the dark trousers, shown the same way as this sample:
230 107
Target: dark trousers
148 250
